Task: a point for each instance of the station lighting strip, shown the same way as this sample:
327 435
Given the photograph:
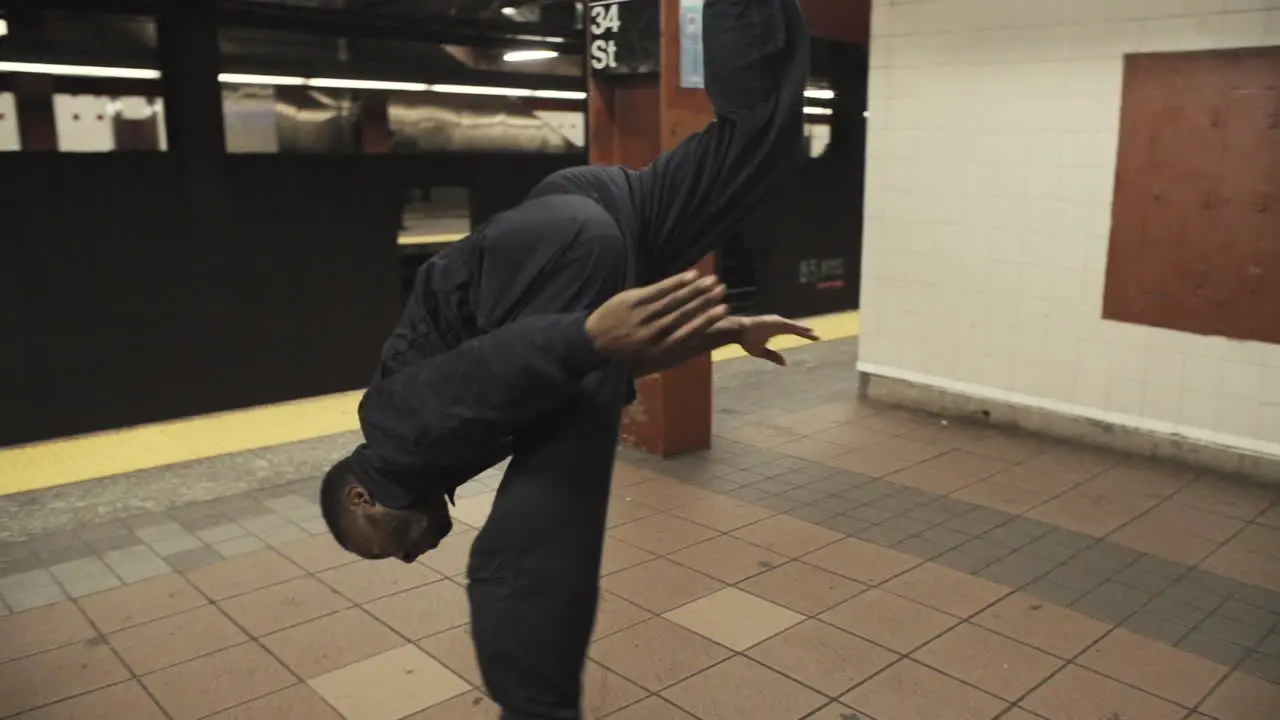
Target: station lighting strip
335 83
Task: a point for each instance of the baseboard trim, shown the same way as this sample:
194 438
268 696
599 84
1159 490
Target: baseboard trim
1254 458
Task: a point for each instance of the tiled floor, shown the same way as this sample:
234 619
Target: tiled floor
827 559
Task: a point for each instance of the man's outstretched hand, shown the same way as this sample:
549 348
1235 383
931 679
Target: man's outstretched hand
653 319
755 333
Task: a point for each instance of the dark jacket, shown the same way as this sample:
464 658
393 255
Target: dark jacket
463 369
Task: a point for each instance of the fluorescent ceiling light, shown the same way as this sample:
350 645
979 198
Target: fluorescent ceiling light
556 94
80 70
818 111
481 90
510 11
820 94
4 27
365 84
527 55
249 79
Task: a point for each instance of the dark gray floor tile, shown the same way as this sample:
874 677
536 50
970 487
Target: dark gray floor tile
750 494
192 559
845 524
1271 644
1223 652
65 554
978 521
953 507
1107 557
812 513
993 551
944 537
1188 592
882 535
837 504
1245 612
1140 579
894 504
1016 570
1157 627
921 548
1174 611
906 525
869 514
1046 588
1111 602
931 514
84 577
1268 600
1266 667
779 503
806 495
1240 632
962 561
19 564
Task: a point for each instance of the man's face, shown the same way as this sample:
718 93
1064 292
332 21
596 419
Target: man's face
405 534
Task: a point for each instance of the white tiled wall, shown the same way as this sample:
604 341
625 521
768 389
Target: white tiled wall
990 163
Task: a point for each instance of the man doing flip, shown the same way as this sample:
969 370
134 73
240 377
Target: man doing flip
523 340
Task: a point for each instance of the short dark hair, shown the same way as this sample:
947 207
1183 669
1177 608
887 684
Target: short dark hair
333 499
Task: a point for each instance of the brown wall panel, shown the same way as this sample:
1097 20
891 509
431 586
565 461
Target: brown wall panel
1195 222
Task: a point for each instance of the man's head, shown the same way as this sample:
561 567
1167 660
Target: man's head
374 531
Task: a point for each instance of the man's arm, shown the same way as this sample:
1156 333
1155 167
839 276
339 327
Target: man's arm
438 411
690 199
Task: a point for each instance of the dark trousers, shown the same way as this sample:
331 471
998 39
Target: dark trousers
535 566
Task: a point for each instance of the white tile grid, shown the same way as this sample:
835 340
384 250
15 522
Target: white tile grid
990 163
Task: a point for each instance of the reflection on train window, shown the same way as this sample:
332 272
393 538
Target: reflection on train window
435 215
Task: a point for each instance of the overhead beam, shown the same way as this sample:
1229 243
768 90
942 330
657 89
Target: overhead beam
350 22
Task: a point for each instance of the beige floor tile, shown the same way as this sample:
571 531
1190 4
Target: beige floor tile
614 614
42 628
1243 697
474 510
834 711
456 650
664 493
651 708
217 682
620 556
623 510
803 588
450 558
660 585
1043 625
1152 666
280 606
734 618
721 513
1079 694
369 580
728 559
1248 567
142 601
991 662
1228 497
424 611
316 553
468 706
1092 511
862 561
177 638
662 533
389 686
328 643
605 691
1000 493
295 703
787 536
742 689
945 589
53 675
1020 714
126 700
911 690
812 449
823 657
243 574
894 622
948 472
657 653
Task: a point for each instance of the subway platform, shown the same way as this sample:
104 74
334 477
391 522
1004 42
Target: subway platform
828 558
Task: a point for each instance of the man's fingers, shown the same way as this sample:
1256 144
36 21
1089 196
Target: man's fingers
682 306
773 356
696 325
683 297
659 290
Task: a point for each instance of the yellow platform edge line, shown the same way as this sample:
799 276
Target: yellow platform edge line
63 461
